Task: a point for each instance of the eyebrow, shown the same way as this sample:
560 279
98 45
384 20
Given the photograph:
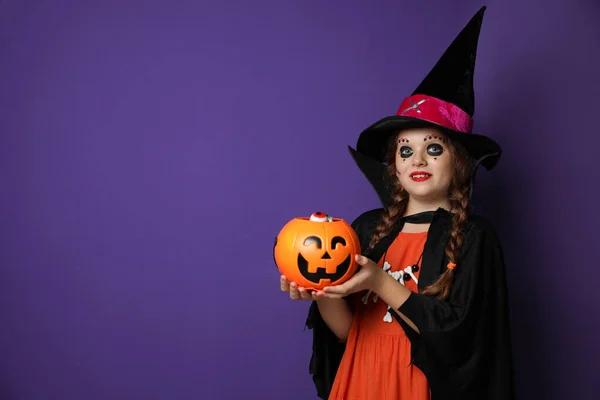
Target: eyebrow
433 136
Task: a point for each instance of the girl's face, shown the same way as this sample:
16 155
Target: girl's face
424 164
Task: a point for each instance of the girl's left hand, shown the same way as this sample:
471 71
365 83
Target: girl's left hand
365 279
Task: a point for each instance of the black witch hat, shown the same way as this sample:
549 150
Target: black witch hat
444 100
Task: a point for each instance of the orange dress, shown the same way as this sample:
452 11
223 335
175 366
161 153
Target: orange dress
376 361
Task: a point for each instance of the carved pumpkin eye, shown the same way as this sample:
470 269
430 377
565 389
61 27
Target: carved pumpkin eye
337 240
313 239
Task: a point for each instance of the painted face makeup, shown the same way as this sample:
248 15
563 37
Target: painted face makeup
434 150
435 137
423 164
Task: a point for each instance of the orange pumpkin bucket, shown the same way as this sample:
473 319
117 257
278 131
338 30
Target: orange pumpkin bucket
316 251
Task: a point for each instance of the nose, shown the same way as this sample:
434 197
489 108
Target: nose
418 160
326 256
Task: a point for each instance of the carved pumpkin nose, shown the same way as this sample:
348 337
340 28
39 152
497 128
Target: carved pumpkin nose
326 256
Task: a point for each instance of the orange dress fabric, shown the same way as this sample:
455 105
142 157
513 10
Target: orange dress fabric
376 361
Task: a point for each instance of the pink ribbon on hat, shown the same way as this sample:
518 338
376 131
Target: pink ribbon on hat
437 111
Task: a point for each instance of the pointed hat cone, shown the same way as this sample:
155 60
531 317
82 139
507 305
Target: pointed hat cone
444 99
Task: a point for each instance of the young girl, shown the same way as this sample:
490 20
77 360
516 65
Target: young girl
429 321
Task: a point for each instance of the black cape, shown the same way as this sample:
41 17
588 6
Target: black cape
464 347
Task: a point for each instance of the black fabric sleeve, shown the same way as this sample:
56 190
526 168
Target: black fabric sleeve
463 344
455 316
327 352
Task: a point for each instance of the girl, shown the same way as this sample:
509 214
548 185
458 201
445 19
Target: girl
429 320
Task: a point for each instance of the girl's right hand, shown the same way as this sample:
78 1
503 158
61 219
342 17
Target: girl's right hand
298 293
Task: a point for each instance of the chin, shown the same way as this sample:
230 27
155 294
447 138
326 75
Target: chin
425 197
421 189
423 193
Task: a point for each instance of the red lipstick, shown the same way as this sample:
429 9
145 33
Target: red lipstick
420 176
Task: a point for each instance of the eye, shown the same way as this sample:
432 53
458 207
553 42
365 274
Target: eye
435 149
405 152
313 239
338 240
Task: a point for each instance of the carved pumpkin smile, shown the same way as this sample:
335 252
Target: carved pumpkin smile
326 269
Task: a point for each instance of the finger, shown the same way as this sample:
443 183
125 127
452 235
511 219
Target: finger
322 294
362 260
305 294
342 289
284 284
294 293
326 295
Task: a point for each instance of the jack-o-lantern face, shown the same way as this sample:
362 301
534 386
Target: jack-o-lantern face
321 261
316 252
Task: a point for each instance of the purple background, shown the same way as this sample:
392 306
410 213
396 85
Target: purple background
151 150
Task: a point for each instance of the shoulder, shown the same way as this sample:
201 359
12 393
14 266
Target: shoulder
481 225
480 231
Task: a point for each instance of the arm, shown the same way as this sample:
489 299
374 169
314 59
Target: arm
337 315
426 315
457 329
393 294
327 348
469 294
466 338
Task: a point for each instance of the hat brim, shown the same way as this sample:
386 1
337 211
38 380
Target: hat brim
373 141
